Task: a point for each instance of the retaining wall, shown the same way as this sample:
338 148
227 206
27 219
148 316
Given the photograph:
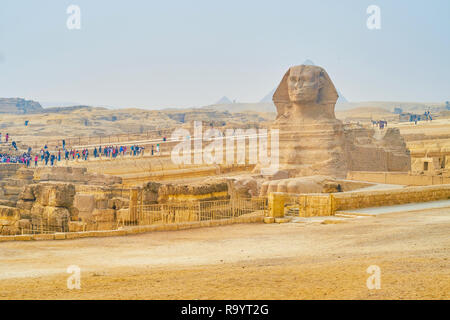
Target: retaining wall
402 178
327 204
136 229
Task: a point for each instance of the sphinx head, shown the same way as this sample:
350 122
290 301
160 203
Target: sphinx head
308 87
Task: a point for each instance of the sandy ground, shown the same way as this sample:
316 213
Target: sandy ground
249 261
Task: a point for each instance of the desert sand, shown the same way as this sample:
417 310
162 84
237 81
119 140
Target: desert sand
249 261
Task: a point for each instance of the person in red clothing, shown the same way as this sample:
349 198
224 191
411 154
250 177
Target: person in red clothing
35 160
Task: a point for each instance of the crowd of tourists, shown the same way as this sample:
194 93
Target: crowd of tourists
111 152
379 123
24 158
100 152
51 158
418 117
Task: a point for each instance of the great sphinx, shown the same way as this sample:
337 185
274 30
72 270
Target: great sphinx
312 140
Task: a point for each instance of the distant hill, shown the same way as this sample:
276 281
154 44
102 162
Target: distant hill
414 107
240 107
366 114
19 106
374 106
70 109
48 104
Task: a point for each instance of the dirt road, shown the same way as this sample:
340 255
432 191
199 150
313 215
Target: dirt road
254 261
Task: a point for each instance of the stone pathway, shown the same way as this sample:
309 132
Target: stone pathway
342 216
398 208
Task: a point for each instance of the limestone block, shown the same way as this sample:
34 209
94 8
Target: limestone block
118 203
83 234
50 216
171 227
37 209
101 203
62 196
7 203
24 205
283 220
269 219
124 215
133 230
84 202
76 226
72 235
54 194
59 236
11 190
205 223
43 236
24 173
28 193
107 225
23 237
9 213
9 230
23 224
104 215
6 238
276 205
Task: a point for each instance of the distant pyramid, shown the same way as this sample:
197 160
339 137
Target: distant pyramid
268 97
307 62
224 100
341 98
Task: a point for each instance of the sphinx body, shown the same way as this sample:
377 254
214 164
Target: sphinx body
312 140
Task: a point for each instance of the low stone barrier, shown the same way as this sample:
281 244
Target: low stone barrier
256 218
309 205
402 178
327 204
366 199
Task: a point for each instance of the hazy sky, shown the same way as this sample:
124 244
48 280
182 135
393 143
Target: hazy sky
191 53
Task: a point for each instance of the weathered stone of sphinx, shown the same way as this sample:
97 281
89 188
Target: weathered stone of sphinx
311 138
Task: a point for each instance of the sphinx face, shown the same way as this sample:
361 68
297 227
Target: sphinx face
303 84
